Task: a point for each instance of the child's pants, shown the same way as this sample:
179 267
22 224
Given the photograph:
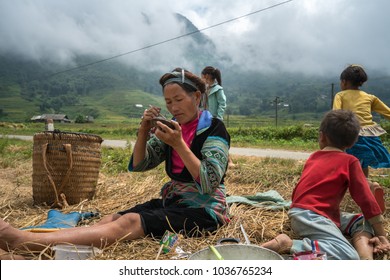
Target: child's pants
321 234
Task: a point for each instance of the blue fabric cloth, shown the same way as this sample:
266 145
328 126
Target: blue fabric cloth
57 220
370 152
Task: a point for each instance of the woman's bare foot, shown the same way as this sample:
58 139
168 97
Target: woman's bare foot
8 236
4 255
231 163
280 244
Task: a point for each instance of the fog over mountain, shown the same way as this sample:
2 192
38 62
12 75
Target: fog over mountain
304 36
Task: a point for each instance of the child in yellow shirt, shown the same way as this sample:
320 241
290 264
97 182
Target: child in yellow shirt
369 148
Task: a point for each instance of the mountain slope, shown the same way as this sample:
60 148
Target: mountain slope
110 90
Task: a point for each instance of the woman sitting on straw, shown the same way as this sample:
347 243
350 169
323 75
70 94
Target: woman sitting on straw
195 152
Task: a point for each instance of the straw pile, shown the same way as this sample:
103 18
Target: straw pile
117 192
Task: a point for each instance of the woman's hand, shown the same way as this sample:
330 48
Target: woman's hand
148 115
173 138
139 150
169 136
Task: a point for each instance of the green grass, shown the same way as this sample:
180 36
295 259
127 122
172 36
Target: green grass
115 160
294 137
266 137
14 151
268 120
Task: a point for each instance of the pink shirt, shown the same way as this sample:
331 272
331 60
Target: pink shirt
188 132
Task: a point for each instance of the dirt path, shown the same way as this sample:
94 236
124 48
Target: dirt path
269 153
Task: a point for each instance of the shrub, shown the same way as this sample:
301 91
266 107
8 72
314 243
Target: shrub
115 161
275 133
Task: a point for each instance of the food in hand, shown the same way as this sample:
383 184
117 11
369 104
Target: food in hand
164 121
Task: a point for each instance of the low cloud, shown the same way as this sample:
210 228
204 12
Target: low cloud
309 36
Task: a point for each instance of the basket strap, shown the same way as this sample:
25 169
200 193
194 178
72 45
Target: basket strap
69 156
44 150
68 149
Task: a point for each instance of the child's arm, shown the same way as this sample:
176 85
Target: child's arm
381 108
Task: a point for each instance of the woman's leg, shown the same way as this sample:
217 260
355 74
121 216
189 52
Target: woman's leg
107 219
126 227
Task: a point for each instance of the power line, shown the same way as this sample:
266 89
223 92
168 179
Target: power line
168 40
379 78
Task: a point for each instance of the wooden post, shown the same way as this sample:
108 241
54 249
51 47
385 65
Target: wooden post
332 96
276 110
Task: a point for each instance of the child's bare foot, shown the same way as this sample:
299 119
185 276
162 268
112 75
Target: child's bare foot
280 244
379 195
4 255
364 245
381 244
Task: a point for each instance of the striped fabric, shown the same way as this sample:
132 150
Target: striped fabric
356 219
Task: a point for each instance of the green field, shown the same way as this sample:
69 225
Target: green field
114 106
118 113
293 137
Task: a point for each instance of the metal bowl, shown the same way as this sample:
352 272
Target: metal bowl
237 252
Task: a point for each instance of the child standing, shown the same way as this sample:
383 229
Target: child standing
214 100
315 210
368 148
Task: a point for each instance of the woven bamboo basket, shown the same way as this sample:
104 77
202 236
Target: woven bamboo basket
65 167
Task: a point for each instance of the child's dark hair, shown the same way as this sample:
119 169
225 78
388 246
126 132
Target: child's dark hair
354 74
214 73
341 127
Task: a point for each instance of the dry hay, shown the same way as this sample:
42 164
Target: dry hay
250 176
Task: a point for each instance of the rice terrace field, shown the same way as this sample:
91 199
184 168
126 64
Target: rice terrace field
118 189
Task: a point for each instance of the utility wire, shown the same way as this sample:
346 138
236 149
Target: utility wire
168 40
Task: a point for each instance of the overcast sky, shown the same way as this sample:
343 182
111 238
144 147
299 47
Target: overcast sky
311 36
